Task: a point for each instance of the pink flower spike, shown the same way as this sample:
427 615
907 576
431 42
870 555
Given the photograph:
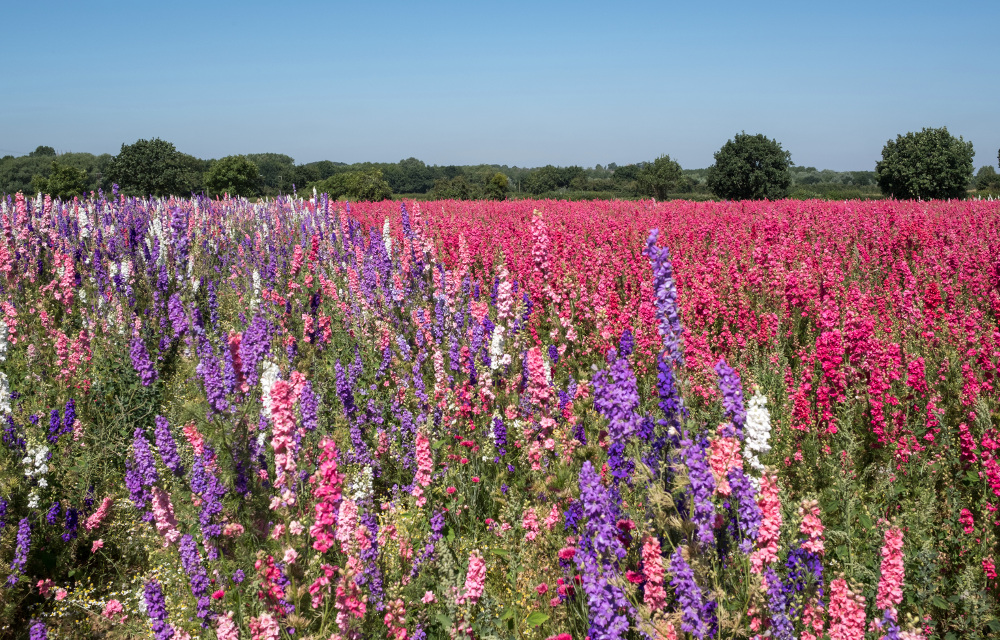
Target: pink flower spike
97 545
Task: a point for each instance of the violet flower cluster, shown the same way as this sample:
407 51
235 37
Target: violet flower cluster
779 604
697 611
701 488
167 447
23 545
140 472
667 310
141 362
198 578
156 608
732 398
616 397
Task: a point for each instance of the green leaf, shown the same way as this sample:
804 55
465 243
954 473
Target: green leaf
994 625
444 621
972 476
509 613
536 618
501 552
939 602
841 551
866 522
438 444
950 636
451 535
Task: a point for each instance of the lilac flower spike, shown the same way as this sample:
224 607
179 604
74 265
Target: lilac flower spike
141 363
732 397
697 613
167 447
156 607
666 299
21 552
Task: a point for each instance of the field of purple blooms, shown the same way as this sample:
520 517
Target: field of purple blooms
224 419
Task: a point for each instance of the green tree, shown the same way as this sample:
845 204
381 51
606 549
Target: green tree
987 179
153 167
659 178
929 164
355 185
42 151
750 167
368 186
498 187
277 172
457 188
63 181
235 175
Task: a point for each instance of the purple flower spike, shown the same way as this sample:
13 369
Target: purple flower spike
156 607
141 363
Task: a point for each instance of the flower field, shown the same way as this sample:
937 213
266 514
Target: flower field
539 420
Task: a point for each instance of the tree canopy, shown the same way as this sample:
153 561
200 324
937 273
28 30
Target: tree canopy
750 167
659 178
155 167
928 164
235 175
63 181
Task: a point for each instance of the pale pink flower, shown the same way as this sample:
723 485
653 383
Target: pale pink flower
530 523
475 578
291 555
552 518
811 526
163 516
847 612
112 609
767 535
225 628
429 597
890 586
97 545
652 568
264 628
95 519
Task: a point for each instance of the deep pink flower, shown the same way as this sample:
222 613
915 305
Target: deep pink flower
967 521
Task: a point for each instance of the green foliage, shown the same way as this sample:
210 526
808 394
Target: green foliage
17 174
277 172
154 167
498 187
987 179
64 181
929 164
457 188
750 167
367 186
42 151
235 175
659 178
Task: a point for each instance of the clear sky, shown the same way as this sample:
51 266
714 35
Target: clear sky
516 83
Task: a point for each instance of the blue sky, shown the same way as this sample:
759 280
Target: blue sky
517 83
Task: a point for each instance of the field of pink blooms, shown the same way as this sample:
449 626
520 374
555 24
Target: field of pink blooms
543 420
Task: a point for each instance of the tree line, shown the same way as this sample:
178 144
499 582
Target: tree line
926 164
